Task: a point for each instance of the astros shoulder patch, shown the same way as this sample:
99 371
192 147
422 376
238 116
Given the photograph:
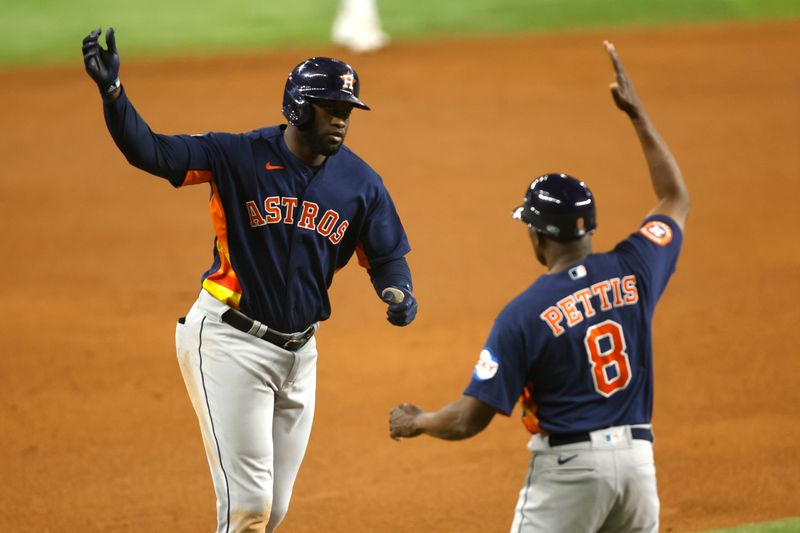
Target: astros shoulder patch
658 232
486 367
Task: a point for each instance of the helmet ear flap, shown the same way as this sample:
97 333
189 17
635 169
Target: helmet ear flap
296 108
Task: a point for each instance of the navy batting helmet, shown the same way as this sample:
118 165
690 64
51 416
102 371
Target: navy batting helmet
558 206
324 78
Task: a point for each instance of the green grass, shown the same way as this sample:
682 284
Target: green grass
783 526
487 16
49 31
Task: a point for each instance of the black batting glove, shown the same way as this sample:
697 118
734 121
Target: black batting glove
403 313
102 65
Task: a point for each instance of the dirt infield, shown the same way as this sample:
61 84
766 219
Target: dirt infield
97 432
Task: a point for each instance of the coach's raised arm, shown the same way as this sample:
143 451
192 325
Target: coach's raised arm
667 178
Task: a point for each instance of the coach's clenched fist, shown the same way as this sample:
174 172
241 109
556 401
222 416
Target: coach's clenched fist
402 421
461 419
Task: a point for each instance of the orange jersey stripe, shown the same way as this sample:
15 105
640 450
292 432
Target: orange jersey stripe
529 408
223 284
193 177
362 256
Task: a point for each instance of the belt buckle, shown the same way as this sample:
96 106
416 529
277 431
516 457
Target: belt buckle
299 340
293 344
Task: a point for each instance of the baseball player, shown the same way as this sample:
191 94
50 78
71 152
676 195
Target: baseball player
290 205
575 348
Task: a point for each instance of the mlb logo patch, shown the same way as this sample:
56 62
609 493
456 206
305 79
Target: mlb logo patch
658 232
577 272
486 367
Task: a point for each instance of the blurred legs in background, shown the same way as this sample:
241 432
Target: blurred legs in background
358 27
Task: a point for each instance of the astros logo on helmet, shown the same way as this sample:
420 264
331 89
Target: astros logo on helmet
321 78
347 82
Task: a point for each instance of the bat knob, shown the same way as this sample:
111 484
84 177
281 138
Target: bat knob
392 295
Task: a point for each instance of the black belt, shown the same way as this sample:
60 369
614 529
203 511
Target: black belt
287 341
560 439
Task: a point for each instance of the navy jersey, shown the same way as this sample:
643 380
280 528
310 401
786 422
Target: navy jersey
282 227
575 348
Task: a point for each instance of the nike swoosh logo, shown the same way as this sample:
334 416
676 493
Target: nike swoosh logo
565 460
273 167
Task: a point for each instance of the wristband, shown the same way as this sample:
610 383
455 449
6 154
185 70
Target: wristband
111 88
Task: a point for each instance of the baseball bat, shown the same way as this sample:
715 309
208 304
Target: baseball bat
392 295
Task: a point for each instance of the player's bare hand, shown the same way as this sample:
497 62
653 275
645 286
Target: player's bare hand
622 89
402 421
102 65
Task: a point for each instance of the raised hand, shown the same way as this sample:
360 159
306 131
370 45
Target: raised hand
102 65
622 90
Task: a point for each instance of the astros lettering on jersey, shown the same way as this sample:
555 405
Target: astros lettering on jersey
257 220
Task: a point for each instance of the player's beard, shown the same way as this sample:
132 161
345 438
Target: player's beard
319 144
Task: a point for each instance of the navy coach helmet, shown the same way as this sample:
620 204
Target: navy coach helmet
323 78
558 206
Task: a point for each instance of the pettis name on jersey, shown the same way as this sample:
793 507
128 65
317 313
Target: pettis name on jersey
609 293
